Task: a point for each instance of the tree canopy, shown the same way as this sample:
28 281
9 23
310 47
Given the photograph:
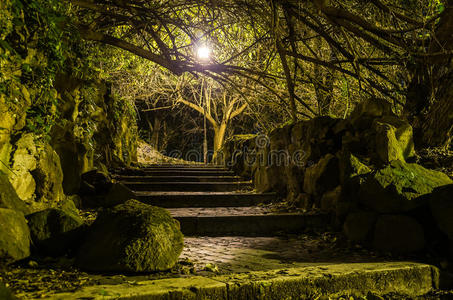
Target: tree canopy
305 55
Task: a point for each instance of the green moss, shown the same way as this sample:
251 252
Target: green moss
132 237
400 187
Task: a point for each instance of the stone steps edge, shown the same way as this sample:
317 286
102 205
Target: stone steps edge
335 280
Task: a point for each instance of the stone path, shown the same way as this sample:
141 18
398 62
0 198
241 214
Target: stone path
212 201
244 254
238 248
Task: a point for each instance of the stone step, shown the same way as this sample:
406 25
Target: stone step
204 199
173 172
183 166
245 221
173 178
405 280
188 186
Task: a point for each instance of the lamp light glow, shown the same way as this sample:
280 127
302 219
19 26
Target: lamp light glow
203 53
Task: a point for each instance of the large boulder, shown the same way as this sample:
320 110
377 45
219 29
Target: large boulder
49 177
99 182
117 193
36 173
323 176
400 187
269 178
55 231
14 236
131 237
441 203
238 153
315 138
9 198
398 234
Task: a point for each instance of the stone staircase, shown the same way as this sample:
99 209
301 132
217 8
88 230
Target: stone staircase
213 201
235 250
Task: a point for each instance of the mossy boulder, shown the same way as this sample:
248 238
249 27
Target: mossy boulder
441 203
8 196
131 237
398 234
14 236
55 231
400 187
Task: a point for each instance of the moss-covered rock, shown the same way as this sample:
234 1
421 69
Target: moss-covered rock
398 234
14 236
399 187
54 231
132 237
9 198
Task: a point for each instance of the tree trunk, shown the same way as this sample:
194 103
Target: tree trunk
219 138
156 130
429 104
432 109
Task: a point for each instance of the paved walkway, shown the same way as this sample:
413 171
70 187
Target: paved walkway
244 254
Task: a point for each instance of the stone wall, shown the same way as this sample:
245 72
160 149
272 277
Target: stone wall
95 131
361 169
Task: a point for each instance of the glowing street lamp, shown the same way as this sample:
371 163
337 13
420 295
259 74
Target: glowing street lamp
203 53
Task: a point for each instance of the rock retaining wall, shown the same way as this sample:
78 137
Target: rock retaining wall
360 169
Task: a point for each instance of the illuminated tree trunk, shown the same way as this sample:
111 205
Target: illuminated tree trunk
219 127
219 137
